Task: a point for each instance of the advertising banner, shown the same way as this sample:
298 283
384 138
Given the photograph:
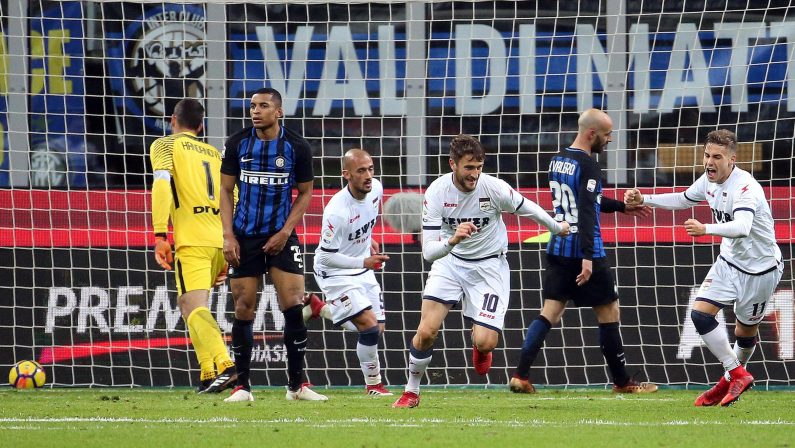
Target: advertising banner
4 156
58 150
108 317
155 57
324 63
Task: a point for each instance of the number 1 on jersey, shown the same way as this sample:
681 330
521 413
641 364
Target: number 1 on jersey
210 184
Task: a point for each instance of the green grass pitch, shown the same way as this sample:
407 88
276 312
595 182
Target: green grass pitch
490 418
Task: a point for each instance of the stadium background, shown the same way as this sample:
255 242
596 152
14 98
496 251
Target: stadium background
88 85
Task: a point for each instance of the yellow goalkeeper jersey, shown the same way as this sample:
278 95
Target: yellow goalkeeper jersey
195 210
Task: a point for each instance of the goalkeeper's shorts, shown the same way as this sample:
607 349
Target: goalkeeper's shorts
197 267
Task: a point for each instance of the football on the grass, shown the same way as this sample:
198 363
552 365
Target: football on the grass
27 375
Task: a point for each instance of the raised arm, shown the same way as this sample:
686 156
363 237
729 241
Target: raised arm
668 201
534 211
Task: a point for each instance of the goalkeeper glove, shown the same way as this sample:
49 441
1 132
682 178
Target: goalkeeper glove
163 254
221 278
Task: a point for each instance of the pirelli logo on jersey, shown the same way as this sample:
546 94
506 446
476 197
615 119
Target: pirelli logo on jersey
264 178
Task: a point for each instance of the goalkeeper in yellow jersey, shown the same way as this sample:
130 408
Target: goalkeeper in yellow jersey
186 186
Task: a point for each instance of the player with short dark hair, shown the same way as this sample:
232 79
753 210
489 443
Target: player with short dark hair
464 235
748 268
577 268
186 179
265 161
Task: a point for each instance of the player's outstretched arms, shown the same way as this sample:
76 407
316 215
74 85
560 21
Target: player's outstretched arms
375 261
694 227
434 249
638 211
462 232
633 198
565 229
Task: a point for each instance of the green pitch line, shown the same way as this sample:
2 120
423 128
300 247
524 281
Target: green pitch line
446 417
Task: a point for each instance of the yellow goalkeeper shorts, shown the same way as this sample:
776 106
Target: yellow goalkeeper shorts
197 267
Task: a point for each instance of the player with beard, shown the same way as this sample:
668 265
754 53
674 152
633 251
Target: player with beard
265 161
345 261
577 268
186 179
463 234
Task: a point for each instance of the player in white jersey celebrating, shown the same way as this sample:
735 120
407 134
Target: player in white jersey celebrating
464 235
345 260
749 266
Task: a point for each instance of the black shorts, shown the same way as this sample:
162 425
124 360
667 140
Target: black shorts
560 282
254 262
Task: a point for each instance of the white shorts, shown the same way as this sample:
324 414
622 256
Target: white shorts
483 285
749 293
362 292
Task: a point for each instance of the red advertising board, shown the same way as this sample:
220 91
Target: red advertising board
112 218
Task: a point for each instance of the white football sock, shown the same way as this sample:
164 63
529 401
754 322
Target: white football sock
416 370
718 343
368 360
743 355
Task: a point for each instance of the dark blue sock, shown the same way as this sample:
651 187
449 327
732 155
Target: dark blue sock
242 344
295 345
533 340
370 336
613 351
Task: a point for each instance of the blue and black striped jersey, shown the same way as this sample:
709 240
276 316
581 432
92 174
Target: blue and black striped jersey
266 173
575 180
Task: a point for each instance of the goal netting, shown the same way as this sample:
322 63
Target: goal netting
86 86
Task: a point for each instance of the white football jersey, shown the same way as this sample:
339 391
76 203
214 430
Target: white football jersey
445 207
348 227
758 251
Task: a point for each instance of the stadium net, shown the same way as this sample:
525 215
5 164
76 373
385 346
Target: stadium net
85 87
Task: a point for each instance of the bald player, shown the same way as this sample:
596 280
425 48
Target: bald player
577 268
346 258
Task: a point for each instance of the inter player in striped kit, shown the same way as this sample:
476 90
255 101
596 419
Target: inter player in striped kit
577 268
345 260
186 187
265 161
748 268
464 235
